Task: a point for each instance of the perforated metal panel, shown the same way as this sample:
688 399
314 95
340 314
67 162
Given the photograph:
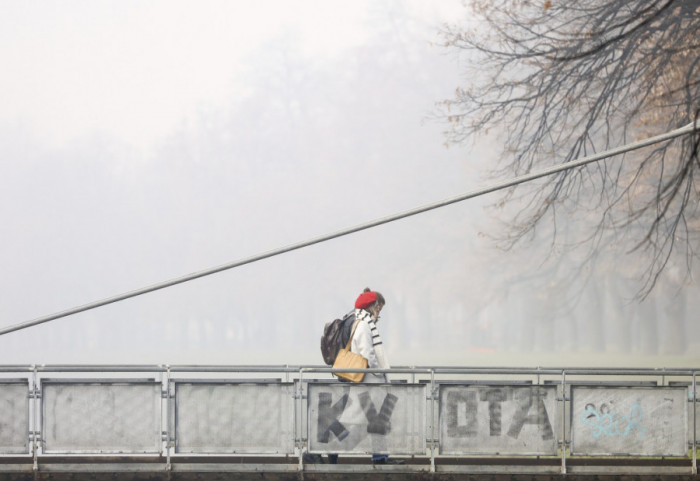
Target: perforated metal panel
482 419
366 418
629 421
14 417
101 417
216 418
693 421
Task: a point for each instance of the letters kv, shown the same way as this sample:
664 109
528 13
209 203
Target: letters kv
366 418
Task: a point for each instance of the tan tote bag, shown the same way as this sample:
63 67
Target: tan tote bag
346 359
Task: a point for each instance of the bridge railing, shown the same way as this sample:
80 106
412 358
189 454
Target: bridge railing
429 415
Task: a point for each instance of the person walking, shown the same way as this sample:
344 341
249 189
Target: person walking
367 342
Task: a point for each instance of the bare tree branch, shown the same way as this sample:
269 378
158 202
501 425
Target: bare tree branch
562 80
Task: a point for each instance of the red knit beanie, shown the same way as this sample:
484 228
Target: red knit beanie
365 300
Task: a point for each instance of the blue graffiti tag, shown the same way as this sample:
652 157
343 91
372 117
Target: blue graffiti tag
608 423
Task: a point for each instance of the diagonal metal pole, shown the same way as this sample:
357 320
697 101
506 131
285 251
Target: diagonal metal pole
693 126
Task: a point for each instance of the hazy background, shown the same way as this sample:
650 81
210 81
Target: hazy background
142 141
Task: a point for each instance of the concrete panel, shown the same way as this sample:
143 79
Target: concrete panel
694 410
482 419
101 417
629 421
14 417
227 418
366 418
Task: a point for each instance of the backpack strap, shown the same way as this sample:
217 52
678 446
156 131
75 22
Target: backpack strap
352 334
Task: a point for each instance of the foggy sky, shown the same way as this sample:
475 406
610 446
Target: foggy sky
142 142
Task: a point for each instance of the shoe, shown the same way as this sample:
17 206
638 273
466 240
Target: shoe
312 459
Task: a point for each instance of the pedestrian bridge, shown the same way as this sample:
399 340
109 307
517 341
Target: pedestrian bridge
281 422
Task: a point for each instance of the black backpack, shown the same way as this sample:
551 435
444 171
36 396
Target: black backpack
335 336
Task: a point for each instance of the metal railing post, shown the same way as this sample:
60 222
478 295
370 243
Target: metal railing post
432 420
169 414
36 431
298 408
563 424
695 426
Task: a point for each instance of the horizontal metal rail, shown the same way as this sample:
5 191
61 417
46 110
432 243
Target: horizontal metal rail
685 130
323 369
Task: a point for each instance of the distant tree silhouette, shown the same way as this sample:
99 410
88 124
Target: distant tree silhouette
560 80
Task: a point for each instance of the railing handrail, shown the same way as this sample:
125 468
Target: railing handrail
311 368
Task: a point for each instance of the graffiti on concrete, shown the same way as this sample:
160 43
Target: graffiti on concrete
463 409
366 418
497 419
629 420
605 421
330 414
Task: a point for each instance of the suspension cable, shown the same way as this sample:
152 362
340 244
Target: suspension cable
691 127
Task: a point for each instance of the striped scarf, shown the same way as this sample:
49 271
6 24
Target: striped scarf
376 338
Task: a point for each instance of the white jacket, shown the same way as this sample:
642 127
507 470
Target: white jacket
363 344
